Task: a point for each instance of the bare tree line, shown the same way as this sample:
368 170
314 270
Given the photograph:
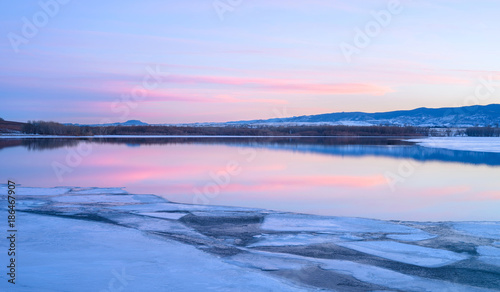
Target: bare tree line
53 128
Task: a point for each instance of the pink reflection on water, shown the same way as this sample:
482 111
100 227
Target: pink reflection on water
276 179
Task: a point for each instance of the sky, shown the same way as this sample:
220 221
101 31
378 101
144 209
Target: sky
163 61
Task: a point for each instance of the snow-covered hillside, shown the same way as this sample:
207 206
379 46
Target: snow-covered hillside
469 116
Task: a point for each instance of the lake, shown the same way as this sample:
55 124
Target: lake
382 178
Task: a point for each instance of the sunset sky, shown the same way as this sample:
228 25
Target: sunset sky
163 61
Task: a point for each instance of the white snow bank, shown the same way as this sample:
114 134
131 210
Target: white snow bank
479 144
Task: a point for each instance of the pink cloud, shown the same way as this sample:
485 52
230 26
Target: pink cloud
284 85
485 196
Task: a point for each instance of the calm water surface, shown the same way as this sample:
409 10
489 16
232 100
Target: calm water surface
362 177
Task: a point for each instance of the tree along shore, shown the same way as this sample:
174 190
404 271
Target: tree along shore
53 128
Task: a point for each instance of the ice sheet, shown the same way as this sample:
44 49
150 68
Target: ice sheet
479 144
100 191
82 256
489 255
417 236
107 199
293 239
165 215
139 240
299 222
479 229
406 253
365 273
171 207
27 191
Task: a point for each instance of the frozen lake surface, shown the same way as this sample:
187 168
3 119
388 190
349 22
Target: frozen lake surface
89 239
478 144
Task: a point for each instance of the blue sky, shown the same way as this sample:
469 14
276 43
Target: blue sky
205 60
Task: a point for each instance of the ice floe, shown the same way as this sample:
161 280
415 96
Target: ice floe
479 144
164 215
293 239
300 222
479 229
27 191
406 253
489 255
394 280
87 199
417 236
172 207
362 272
90 191
96 199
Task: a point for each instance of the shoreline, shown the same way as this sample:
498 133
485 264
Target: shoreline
191 136
476 144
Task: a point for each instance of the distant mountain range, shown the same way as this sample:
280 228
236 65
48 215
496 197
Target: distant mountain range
127 123
467 116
